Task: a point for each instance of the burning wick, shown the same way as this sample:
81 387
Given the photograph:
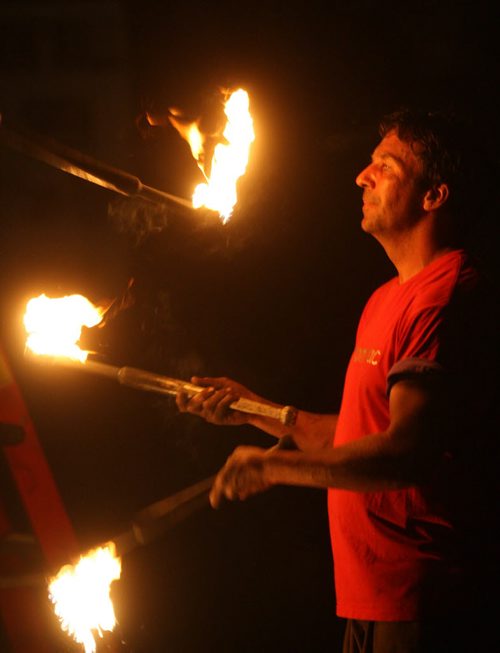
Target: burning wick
230 157
55 325
81 595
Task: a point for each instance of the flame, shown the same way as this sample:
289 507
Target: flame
54 326
81 595
230 157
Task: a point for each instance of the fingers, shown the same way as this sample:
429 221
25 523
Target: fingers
182 401
194 403
226 485
242 476
216 407
211 404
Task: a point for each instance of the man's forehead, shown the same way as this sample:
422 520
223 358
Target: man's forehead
391 146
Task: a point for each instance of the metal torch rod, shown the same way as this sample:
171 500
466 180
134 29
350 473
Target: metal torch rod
147 525
151 382
85 167
152 522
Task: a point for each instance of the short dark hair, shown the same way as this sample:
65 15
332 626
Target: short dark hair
448 153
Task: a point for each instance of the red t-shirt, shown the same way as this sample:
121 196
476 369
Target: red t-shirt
393 550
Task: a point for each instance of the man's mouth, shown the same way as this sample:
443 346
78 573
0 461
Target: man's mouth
368 199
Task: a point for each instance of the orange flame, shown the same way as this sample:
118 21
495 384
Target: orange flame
230 157
54 325
81 595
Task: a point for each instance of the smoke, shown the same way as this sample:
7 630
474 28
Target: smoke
137 218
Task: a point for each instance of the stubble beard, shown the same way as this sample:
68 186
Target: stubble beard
370 223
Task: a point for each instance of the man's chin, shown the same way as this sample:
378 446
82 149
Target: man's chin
367 225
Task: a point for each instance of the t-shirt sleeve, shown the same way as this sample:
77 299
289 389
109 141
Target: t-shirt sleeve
418 344
410 368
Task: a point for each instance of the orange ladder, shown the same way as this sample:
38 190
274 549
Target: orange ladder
27 619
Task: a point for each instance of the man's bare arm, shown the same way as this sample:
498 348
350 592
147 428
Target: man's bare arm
310 430
402 456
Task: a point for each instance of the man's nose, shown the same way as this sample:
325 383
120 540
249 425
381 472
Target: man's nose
364 179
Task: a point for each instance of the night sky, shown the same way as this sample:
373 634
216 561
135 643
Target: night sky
271 299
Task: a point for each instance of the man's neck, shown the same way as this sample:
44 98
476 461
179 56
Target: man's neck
411 253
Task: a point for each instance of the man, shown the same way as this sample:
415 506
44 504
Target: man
405 460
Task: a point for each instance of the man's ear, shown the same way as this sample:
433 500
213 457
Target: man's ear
435 197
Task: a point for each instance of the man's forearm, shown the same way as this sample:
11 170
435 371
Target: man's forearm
404 455
311 431
371 464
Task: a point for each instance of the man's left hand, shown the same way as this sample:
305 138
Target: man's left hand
243 475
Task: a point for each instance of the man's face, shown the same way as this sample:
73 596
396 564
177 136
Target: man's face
392 190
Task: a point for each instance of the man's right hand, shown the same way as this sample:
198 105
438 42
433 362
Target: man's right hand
311 431
212 403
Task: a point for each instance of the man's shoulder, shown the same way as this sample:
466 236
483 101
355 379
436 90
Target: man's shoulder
445 280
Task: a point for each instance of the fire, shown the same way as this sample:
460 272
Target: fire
230 157
81 595
54 326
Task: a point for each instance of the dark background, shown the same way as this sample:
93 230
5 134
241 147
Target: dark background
271 299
